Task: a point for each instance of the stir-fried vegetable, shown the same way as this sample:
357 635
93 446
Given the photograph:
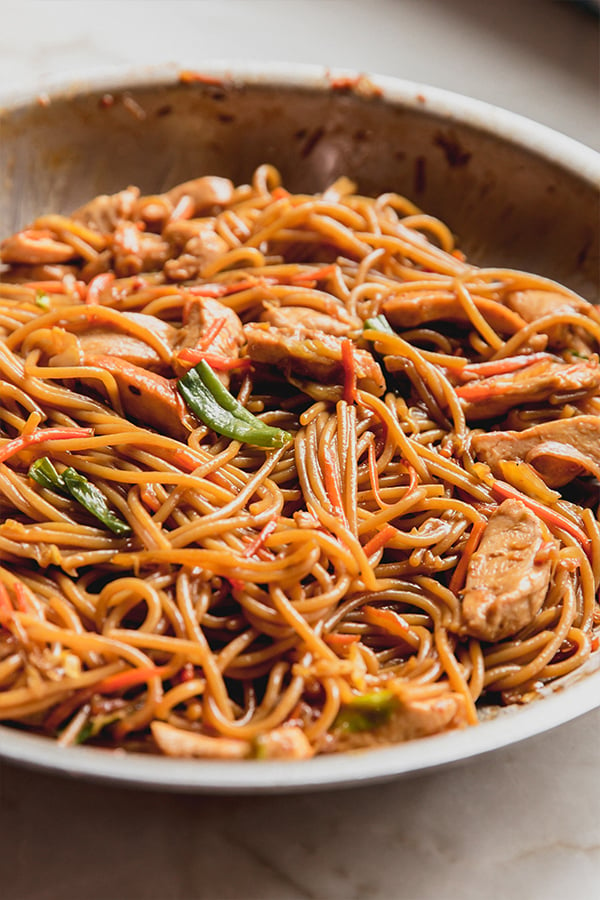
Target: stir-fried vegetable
216 407
366 712
379 323
72 483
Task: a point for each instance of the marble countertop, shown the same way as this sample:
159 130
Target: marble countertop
523 822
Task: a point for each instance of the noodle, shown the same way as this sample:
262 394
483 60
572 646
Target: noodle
286 474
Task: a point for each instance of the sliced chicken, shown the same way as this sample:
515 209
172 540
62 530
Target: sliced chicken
532 305
508 575
413 717
204 192
547 379
135 251
105 211
212 327
35 246
148 398
287 742
409 312
198 244
181 743
560 450
305 319
317 356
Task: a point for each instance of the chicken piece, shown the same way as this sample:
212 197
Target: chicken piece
560 450
205 193
199 245
409 312
532 305
104 212
125 342
411 716
317 356
35 246
307 320
204 319
148 398
135 252
181 743
547 379
287 742
508 575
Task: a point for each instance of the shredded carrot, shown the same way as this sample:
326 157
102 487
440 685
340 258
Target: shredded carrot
460 573
188 76
236 584
387 619
211 332
314 274
595 643
23 603
279 193
341 640
550 516
501 366
51 287
149 498
259 540
185 460
380 540
349 370
40 437
125 680
97 285
458 254
222 290
193 356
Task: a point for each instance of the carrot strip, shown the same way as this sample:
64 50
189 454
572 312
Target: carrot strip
23 604
97 285
501 366
193 356
52 287
380 540
222 290
387 619
39 437
460 573
211 332
314 274
258 542
550 516
341 640
124 680
149 498
185 460
349 371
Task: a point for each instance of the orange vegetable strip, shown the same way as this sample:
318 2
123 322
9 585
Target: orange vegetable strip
501 366
549 516
193 356
40 437
460 573
341 640
124 680
380 539
314 274
258 542
211 333
6 607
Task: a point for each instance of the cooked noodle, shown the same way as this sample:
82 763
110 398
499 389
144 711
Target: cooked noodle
310 595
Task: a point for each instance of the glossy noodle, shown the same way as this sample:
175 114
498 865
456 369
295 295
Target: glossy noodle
286 474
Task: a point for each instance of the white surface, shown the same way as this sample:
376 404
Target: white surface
523 822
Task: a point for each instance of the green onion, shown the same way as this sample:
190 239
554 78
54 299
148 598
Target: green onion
212 403
379 323
72 483
366 712
42 300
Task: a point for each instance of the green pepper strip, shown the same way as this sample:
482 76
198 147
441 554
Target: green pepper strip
216 407
72 483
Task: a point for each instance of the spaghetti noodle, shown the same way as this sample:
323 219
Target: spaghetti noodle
285 474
